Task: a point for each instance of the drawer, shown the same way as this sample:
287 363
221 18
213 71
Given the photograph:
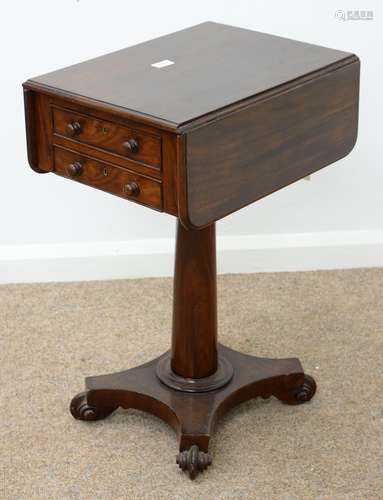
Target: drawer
108 136
101 175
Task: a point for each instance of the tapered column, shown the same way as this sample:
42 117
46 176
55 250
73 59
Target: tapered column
194 338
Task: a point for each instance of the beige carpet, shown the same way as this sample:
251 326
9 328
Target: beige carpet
53 335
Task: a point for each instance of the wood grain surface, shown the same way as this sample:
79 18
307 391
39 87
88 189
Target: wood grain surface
241 158
214 66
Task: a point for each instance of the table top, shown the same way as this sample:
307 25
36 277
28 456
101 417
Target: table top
214 66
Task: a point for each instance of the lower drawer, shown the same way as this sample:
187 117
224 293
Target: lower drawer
115 180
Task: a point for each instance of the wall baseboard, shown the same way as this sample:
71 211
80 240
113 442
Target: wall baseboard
154 257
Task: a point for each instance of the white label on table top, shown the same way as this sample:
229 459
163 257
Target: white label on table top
162 64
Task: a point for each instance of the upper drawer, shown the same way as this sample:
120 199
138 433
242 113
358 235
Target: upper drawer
109 136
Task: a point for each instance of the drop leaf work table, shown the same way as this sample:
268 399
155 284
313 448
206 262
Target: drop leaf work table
197 124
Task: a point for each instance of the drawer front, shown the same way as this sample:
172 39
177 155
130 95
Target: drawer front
101 175
112 137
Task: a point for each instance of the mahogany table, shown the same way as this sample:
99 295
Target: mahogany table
196 124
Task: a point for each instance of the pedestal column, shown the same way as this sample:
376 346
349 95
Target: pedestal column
194 335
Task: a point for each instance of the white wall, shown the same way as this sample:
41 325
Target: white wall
44 215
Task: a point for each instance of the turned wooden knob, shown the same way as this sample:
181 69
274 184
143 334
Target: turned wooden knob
131 146
132 189
73 128
74 169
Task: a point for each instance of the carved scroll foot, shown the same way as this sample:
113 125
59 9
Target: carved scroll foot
81 409
305 392
300 394
193 461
